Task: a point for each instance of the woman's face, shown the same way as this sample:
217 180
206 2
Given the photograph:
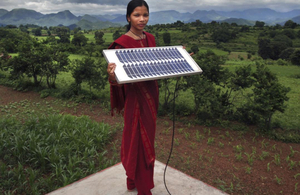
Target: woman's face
139 18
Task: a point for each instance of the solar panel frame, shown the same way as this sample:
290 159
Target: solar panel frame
151 63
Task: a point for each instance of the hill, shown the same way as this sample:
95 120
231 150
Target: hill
296 19
2 12
66 18
239 21
20 16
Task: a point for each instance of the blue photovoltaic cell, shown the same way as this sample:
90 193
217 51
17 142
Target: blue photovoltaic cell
143 63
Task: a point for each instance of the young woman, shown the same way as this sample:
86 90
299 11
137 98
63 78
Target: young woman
139 102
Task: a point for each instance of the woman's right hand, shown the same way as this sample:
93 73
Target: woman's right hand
111 72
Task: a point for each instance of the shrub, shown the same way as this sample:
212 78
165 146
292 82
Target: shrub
282 62
295 57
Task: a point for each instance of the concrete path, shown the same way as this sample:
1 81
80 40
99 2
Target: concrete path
112 181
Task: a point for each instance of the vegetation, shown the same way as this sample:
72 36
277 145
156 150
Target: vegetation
250 76
42 150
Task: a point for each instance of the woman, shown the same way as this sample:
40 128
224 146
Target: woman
140 104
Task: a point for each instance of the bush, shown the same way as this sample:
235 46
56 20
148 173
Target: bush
286 54
295 57
45 93
282 62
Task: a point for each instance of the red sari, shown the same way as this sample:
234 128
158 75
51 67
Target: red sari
140 104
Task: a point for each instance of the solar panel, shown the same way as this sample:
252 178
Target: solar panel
151 63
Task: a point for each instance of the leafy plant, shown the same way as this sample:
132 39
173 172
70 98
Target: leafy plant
248 170
210 140
263 155
239 156
238 148
278 180
44 152
250 158
268 167
277 159
295 176
187 135
292 164
221 145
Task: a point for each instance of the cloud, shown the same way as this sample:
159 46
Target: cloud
99 2
80 7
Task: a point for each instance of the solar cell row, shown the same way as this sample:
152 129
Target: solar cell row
146 55
153 69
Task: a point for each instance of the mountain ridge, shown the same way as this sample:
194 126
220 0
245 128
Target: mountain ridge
26 16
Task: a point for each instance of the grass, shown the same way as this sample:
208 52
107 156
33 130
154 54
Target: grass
40 153
90 36
108 37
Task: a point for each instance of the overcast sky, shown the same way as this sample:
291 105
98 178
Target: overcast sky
101 7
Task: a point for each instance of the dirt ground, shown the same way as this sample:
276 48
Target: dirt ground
235 161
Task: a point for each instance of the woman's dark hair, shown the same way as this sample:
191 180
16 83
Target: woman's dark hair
131 6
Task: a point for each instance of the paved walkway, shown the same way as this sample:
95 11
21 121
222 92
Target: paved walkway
111 181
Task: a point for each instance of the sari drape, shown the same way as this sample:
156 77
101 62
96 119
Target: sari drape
139 103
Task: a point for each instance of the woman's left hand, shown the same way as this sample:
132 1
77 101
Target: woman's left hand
190 53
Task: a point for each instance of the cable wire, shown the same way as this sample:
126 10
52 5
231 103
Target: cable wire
171 150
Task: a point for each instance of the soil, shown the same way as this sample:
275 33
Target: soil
234 159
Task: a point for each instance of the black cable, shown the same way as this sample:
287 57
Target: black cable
171 150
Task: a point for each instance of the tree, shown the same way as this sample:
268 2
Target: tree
116 35
197 23
195 49
290 33
23 28
290 24
272 48
38 61
211 102
29 61
65 38
4 57
221 35
259 24
269 95
99 37
178 23
77 30
210 64
37 31
295 57
57 62
167 38
286 54
79 40
10 39
245 29
242 78
90 71
63 33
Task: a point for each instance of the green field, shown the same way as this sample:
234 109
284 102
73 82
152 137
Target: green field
108 37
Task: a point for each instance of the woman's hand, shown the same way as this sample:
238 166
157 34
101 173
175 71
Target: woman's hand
190 53
111 72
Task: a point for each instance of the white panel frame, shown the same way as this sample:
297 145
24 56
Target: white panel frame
122 78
